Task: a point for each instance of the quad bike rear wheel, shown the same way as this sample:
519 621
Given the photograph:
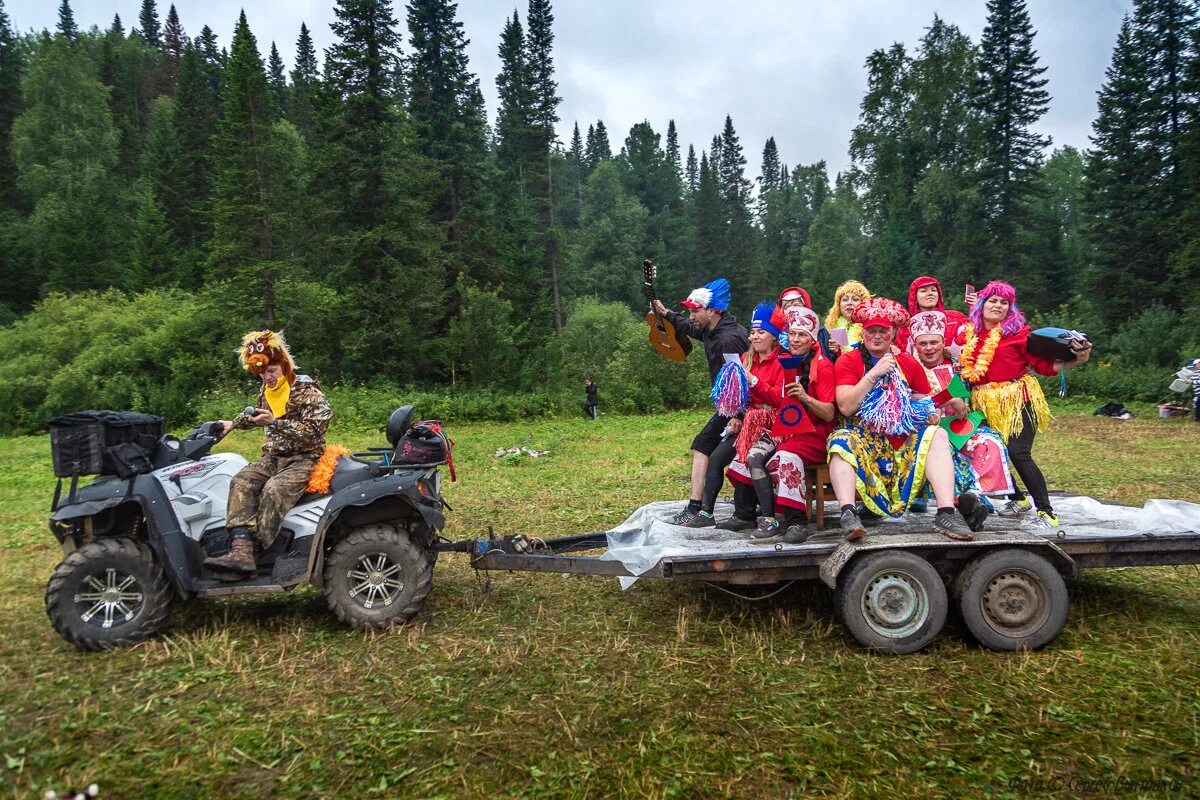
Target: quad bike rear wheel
377 576
108 593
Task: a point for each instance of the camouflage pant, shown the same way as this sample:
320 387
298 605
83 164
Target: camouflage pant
264 491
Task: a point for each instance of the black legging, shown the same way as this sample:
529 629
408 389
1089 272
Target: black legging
714 477
1020 451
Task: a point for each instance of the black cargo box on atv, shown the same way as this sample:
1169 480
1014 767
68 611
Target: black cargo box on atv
103 443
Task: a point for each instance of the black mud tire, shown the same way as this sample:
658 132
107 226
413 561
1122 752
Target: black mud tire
892 601
376 576
1012 599
108 593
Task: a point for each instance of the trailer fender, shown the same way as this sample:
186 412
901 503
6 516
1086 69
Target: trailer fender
836 561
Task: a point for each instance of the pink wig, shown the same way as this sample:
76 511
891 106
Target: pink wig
1015 319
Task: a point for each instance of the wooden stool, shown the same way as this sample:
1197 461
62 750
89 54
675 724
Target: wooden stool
816 481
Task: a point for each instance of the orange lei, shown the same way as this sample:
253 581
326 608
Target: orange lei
974 369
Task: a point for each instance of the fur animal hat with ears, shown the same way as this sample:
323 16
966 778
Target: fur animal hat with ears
260 349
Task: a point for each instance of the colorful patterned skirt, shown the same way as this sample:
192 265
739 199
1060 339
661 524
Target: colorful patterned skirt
888 479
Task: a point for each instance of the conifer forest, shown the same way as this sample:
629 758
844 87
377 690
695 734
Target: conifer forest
161 192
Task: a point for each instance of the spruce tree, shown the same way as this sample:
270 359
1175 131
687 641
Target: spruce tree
514 124
374 194
768 176
539 48
691 171
673 148
1185 260
243 248
305 80
151 31
276 81
66 23
739 251
597 147
174 40
710 223
1012 98
1125 271
446 109
214 63
11 104
116 29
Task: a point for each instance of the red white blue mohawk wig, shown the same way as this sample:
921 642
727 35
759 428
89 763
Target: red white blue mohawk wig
714 295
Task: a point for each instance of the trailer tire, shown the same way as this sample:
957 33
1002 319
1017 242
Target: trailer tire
892 601
377 576
1012 599
108 593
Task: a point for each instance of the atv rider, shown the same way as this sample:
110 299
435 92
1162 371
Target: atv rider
296 415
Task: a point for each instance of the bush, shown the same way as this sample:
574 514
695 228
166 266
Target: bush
1106 380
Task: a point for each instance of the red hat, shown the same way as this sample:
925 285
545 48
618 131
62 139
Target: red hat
880 311
919 283
792 292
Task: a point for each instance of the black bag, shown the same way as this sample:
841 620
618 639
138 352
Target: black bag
119 443
423 443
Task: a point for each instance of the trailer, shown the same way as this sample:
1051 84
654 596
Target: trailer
892 589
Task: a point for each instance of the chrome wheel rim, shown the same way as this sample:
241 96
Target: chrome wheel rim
109 598
375 580
895 604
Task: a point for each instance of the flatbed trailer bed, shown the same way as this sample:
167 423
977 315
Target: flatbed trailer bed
893 587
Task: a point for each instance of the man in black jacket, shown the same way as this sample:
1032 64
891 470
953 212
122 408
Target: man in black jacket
710 323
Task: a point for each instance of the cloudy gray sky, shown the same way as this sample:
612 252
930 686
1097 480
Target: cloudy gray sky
792 70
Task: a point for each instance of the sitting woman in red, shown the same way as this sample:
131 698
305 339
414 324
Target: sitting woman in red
996 363
766 395
773 473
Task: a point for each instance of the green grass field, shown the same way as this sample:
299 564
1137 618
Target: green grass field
564 686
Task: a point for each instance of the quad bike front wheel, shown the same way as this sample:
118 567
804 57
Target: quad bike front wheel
377 576
108 593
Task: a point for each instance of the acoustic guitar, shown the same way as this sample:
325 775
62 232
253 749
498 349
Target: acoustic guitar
663 336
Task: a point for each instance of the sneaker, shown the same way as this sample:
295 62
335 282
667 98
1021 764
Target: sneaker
1015 508
768 527
852 526
973 511
1045 519
869 519
701 519
952 526
737 523
795 534
685 516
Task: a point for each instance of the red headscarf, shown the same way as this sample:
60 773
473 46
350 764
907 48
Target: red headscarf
919 283
799 290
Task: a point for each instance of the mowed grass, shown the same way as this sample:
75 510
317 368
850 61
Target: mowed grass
565 686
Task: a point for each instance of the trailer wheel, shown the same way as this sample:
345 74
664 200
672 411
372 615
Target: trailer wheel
108 593
1012 600
892 601
376 577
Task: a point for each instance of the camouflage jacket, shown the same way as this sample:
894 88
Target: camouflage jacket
301 430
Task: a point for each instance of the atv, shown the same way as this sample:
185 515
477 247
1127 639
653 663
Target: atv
134 544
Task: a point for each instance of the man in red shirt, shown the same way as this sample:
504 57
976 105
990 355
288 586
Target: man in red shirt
889 443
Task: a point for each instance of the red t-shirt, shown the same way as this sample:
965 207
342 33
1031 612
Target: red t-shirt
850 369
769 389
1012 359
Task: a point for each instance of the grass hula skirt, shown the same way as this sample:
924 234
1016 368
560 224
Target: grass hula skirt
1003 404
887 477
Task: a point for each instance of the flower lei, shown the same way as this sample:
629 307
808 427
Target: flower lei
974 369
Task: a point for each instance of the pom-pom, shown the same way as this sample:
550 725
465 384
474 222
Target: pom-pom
731 390
889 408
322 472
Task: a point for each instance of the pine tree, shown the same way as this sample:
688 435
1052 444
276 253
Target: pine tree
539 49
514 124
243 248
148 19
214 63
195 120
597 147
174 40
374 196
11 104
1125 272
769 172
305 80
66 23
1012 98
673 148
151 252
446 108
117 29
739 251
1185 260
276 81
692 171
710 223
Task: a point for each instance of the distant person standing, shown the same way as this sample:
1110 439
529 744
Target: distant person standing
1196 390
589 405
